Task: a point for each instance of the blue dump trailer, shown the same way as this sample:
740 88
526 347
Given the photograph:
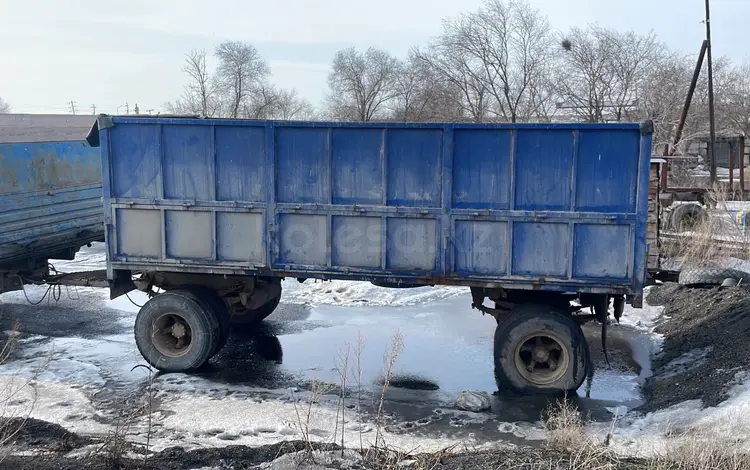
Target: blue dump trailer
545 224
50 194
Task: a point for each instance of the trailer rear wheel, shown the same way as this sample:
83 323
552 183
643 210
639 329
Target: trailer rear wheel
174 332
211 301
540 350
259 314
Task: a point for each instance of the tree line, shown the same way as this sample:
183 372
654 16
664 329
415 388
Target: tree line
500 63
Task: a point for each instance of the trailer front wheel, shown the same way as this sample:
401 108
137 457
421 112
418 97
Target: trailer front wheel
540 350
175 332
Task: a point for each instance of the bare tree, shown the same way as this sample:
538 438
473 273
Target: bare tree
361 84
202 87
511 42
459 72
601 72
732 87
497 57
291 106
262 103
269 102
728 97
407 103
240 74
421 96
200 95
4 107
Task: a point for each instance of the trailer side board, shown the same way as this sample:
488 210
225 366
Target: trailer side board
534 206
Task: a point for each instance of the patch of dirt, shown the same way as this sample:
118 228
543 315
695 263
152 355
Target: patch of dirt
245 458
530 459
175 458
706 344
40 435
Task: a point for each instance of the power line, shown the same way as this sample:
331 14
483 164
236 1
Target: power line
72 106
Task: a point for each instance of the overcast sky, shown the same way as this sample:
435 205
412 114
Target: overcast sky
110 53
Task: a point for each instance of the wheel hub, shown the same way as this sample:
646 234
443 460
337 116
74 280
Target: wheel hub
541 358
172 335
179 330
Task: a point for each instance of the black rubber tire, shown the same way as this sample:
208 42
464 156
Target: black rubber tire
525 320
711 276
211 301
202 322
687 217
259 314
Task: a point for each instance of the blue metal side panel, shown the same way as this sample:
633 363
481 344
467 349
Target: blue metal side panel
482 169
358 166
540 249
138 174
608 184
543 165
187 162
302 165
563 207
414 169
240 164
50 199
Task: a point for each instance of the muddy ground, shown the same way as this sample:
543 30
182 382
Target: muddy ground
300 457
706 344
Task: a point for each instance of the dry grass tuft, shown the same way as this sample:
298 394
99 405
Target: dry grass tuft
567 435
565 426
701 451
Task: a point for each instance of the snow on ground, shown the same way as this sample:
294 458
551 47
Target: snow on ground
194 418
656 433
89 258
203 421
645 319
52 401
313 292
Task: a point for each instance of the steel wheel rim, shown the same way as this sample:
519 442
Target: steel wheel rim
541 358
172 335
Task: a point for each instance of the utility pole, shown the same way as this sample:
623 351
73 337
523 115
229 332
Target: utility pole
137 111
72 106
150 111
93 109
127 106
711 115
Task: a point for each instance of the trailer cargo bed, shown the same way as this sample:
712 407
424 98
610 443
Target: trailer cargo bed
544 220
558 207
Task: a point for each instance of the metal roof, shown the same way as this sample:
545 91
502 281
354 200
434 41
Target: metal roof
19 128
